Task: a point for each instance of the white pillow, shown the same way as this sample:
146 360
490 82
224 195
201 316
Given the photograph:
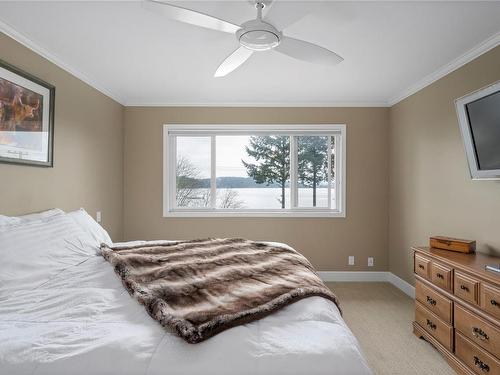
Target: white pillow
42 214
90 226
13 220
37 250
8 220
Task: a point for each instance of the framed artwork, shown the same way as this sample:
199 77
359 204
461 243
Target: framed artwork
26 118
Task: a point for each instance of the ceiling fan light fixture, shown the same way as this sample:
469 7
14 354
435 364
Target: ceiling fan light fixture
257 35
259 40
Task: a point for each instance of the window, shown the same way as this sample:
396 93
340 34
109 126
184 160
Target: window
254 170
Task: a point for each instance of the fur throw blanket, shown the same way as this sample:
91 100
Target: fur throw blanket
200 288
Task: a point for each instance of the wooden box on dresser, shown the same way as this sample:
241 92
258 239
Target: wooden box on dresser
457 308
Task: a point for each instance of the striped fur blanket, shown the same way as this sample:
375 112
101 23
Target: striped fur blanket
200 288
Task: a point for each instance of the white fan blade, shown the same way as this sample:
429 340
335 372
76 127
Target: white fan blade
233 61
306 51
281 13
189 16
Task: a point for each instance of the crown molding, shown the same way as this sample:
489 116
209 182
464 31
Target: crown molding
27 42
258 104
467 57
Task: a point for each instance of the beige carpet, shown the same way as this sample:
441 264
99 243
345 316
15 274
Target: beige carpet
380 316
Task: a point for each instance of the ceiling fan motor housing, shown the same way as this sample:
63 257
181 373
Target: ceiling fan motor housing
258 35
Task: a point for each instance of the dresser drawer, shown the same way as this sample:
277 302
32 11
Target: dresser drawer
466 287
490 300
483 333
441 275
480 361
434 326
422 266
435 302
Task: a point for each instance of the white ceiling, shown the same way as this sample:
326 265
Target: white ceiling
139 58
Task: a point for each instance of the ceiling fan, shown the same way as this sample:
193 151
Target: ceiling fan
253 36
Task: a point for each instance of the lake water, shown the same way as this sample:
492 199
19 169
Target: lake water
267 198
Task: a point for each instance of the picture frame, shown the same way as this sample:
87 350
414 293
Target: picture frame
27 106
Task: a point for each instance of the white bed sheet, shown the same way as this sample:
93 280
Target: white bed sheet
82 321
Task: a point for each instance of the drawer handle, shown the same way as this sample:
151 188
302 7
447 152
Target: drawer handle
483 366
494 303
440 276
421 266
431 325
463 287
479 333
431 301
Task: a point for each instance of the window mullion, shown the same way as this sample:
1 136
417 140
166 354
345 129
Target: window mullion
329 163
213 181
338 171
293 172
173 171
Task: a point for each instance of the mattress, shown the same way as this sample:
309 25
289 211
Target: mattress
82 321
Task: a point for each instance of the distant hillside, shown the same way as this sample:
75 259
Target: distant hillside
226 183
231 183
240 182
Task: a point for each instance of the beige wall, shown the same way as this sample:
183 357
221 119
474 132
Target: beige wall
430 188
327 242
88 149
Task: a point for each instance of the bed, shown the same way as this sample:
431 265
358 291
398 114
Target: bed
64 311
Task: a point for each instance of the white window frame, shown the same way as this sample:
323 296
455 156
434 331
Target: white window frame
170 131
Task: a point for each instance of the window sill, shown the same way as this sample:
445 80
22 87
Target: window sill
288 214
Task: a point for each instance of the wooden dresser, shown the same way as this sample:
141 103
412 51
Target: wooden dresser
457 308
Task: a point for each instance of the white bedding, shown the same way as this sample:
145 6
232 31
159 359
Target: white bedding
82 321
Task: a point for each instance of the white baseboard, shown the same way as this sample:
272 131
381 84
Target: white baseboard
369 276
402 285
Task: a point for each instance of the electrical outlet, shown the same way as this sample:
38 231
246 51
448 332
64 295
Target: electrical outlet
370 261
351 260
98 217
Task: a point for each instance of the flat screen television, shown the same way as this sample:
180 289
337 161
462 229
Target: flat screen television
479 120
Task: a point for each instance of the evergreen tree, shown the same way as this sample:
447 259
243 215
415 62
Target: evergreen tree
272 154
312 161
